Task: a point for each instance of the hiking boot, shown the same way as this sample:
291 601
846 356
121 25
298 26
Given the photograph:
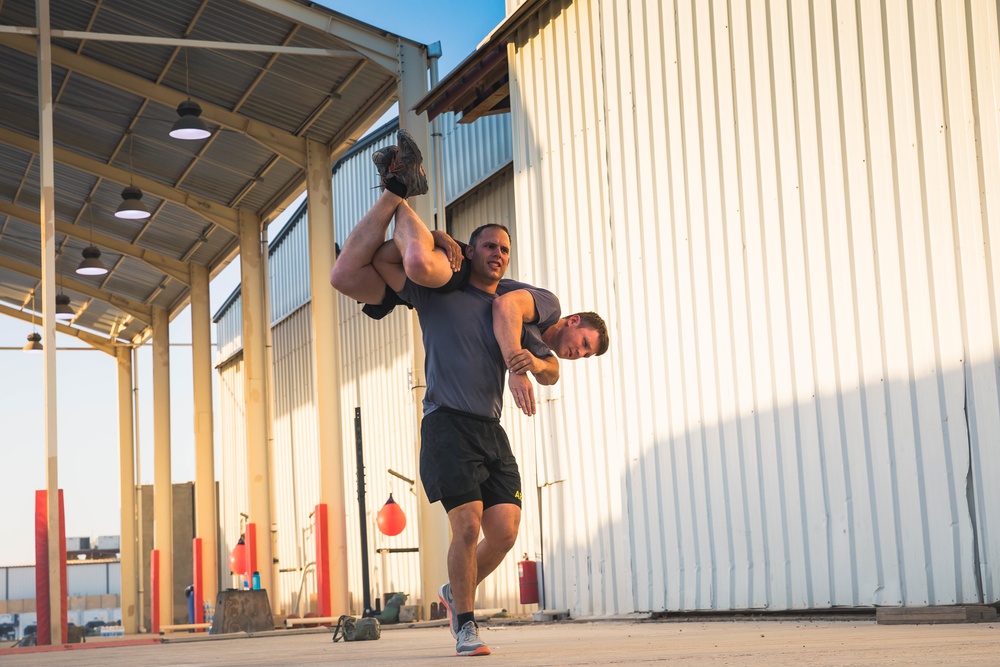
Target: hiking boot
406 167
469 642
382 158
449 603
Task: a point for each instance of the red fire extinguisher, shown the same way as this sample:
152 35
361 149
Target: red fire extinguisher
527 576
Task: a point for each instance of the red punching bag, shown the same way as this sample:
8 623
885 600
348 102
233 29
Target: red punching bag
238 558
391 520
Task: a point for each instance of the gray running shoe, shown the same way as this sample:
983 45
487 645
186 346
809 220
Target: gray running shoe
406 165
449 602
382 158
469 642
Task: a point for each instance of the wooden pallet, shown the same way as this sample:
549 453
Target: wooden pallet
972 613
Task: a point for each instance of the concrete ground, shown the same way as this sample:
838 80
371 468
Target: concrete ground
679 642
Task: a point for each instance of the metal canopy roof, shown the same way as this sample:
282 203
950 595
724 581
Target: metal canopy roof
480 85
312 74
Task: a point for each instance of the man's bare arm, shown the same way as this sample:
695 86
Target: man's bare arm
510 312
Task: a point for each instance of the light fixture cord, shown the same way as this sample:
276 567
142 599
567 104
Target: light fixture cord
90 215
131 171
187 83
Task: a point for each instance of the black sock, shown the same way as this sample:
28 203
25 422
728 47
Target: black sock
465 618
395 187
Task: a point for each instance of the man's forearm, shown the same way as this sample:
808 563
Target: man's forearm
550 373
508 323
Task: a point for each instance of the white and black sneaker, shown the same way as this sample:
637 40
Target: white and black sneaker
449 602
469 642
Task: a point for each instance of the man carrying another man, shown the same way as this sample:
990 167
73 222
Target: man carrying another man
472 334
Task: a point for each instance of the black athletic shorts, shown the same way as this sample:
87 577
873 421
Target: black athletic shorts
465 457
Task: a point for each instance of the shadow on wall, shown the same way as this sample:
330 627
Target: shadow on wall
873 497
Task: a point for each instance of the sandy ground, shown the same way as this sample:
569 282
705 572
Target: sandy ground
680 642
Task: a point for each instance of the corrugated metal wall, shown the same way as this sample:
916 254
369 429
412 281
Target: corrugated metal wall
295 454
82 578
473 152
231 440
288 266
784 210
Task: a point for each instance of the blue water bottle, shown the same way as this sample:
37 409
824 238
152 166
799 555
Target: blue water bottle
256 581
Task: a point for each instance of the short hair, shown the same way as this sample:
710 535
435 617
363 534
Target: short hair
594 321
479 230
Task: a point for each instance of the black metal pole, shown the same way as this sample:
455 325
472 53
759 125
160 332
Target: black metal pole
363 519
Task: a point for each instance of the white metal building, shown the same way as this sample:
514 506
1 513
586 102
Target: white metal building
786 213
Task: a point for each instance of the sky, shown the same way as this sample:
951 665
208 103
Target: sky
87 391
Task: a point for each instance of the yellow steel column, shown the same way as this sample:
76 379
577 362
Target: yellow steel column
326 364
126 474
163 530
434 532
255 388
206 518
47 216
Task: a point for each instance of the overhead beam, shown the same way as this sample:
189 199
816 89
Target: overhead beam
174 268
211 211
380 49
272 138
136 309
93 340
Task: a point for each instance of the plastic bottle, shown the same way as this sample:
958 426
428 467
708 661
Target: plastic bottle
256 581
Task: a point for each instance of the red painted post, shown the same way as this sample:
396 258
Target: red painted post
199 583
154 595
251 540
321 535
42 624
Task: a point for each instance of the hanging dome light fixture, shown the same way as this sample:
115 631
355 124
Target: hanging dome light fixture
34 343
91 264
64 312
189 125
131 207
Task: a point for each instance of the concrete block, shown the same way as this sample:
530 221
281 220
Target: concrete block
93 602
77 602
549 614
109 601
409 613
242 611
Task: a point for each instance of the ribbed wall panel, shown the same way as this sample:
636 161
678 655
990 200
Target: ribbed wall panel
229 330
21 583
231 431
784 211
376 359
490 203
473 151
92 579
296 453
289 268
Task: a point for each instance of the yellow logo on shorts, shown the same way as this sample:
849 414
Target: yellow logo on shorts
517 494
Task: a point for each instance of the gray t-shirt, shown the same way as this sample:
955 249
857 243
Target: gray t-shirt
464 366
